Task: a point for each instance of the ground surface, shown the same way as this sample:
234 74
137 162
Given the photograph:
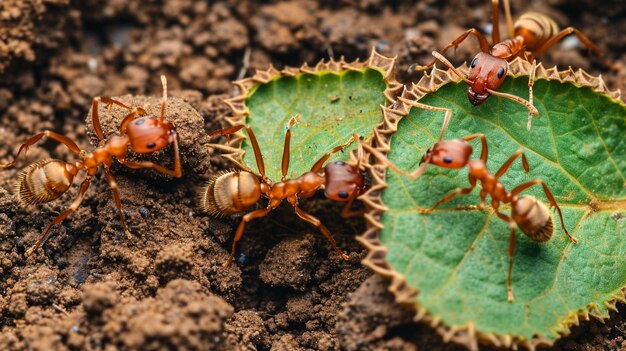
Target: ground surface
93 289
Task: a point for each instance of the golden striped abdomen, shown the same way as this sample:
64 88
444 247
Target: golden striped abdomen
230 192
536 28
43 181
533 218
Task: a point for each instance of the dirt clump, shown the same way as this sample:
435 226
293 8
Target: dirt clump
179 316
27 27
286 264
192 139
369 317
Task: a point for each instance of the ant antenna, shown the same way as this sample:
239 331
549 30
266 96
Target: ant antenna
359 152
164 82
531 109
447 63
293 120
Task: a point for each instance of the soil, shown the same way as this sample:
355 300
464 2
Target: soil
91 288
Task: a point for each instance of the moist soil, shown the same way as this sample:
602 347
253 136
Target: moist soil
91 288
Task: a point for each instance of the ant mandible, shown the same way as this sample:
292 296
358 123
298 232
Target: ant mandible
47 180
527 213
234 191
531 35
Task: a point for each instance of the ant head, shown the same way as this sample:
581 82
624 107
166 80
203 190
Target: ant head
449 154
148 134
343 181
486 72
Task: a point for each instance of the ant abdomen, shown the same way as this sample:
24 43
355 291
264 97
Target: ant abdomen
230 192
536 28
44 181
533 218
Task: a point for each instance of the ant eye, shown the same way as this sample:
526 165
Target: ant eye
474 61
340 163
447 159
151 145
140 122
500 73
343 194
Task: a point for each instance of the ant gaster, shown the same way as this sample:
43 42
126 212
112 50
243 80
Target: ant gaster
527 213
531 35
234 191
47 180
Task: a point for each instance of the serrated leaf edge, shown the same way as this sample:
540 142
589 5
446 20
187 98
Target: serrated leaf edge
233 151
376 257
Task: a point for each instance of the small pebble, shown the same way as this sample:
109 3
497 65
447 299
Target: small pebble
144 212
242 259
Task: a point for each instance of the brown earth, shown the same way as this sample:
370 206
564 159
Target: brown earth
91 288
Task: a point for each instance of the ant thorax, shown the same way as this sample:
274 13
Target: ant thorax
502 50
117 146
478 168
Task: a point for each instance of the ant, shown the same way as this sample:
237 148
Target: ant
531 35
47 180
234 191
527 213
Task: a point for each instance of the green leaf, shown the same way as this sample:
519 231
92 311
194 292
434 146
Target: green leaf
333 101
458 258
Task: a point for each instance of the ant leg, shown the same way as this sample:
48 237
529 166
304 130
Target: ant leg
509 19
482 41
318 165
512 225
508 163
226 131
118 201
46 233
245 63
126 121
247 218
483 141
255 145
95 116
495 23
176 172
385 161
452 195
34 139
483 198
316 222
286 148
567 31
446 118
527 185
531 82
257 154
346 213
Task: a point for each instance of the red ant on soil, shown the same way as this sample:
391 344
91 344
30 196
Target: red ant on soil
527 213
531 35
47 180
234 191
